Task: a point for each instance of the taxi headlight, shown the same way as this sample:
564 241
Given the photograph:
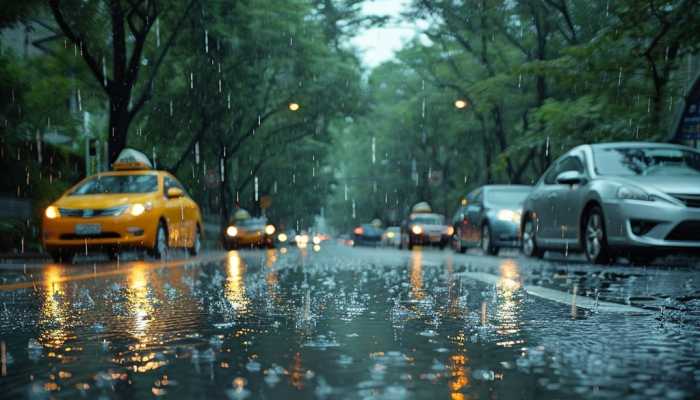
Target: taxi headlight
416 229
231 231
270 229
450 230
390 235
282 237
316 240
52 212
137 209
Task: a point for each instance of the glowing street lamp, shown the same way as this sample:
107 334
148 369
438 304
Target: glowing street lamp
294 106
461 104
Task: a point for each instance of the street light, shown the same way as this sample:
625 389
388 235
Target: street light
461 104
294 106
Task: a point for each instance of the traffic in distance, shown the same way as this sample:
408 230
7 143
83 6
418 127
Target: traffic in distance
631 200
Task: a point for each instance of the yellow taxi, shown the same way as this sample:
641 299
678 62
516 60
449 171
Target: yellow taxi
246 231
132 206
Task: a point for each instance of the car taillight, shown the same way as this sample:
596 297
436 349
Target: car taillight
359 230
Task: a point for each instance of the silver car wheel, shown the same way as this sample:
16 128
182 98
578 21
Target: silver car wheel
485 239
528 239
594 236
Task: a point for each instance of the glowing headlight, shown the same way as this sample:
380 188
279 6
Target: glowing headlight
231 231
632 193
508 215
417 230
52 212
269 229
390 235
450 230
137 209
316 240
282 237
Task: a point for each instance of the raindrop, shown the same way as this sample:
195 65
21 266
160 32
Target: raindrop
196 153
228 101
206 41
171 108
354 215
256 188
157 33
274 187
221 169
546 149
520 80
619 78
153 157
346 192
219 85
191 80
649 104
374 150
80 101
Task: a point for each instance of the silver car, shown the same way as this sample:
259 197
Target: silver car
636 200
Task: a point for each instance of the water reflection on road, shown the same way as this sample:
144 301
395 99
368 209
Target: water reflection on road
333 323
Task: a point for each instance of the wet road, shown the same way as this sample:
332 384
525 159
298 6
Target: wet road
349 323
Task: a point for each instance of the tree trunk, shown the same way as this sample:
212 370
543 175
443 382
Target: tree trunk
118 127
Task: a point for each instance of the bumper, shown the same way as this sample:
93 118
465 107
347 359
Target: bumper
505 233
430 239
674 227
249 240
367 240
122 231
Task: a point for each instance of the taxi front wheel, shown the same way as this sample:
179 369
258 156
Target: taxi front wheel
160 247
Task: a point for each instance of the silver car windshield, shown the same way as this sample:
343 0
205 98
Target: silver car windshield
506 197
635 161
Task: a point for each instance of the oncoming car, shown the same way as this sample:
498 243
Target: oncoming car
249 232
425 229
636 200
130 207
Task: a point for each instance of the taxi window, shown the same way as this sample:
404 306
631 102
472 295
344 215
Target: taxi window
107 184
169 182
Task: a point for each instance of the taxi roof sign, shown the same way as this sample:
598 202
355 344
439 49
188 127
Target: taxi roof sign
422 207
131 159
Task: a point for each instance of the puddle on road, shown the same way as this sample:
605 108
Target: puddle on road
326 325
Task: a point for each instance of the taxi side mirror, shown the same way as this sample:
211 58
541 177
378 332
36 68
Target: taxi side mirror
174 193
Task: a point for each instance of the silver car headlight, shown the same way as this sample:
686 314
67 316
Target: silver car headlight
633 193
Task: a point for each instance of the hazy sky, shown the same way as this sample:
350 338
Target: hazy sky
378 44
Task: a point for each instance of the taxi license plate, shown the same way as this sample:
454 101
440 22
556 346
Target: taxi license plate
88 229
434 238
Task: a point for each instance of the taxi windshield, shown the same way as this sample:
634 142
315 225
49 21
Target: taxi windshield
108 184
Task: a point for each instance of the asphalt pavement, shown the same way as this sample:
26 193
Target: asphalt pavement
340 322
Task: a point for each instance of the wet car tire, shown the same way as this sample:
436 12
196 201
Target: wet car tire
595 240
197 245
160 245
528 245
487 241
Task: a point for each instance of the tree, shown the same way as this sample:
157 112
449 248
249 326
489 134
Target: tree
131 22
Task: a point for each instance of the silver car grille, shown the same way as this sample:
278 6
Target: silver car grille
690 200
91 213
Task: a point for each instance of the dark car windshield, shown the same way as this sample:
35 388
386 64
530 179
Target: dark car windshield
507 197
428 219
631 161
108 184
251 223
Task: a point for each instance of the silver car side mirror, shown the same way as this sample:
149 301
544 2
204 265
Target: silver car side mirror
571 178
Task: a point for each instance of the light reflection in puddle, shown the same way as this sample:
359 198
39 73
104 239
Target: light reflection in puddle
235 291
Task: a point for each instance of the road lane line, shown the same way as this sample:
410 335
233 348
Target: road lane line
559 296
121 270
